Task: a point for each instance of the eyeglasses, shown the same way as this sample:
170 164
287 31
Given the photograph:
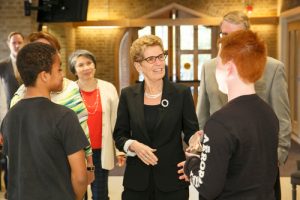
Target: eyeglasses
222 34
152 59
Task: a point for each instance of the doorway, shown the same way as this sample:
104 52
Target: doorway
293 74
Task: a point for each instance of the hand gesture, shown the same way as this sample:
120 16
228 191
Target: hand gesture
182 176
195 142
121 160
144 152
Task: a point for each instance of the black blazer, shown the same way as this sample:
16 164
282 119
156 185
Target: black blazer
179 116
8 78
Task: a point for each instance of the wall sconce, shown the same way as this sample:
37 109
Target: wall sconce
249 6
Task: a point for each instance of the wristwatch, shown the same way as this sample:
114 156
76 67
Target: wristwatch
90 168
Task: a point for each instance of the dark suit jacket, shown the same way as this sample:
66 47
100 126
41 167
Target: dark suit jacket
8 78
179 116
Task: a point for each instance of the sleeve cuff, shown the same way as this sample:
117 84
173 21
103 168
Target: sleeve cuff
126 148
192 162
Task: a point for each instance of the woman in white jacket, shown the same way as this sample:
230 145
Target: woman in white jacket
101 100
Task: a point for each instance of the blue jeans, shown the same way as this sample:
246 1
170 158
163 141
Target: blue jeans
100 185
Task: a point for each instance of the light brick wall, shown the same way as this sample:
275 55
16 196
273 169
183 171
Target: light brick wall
269 34
103 42
64 32
116 9
12 19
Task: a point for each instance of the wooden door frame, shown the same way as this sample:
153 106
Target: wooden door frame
287 22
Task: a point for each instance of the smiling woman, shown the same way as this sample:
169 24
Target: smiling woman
151 117
101 100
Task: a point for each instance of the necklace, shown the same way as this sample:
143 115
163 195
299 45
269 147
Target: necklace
92 109
153 96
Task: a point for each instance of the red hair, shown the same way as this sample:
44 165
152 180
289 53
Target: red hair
247 51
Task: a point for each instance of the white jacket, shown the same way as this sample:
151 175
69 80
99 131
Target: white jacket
109 101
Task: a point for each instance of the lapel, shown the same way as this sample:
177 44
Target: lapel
104 93
11 83
167 102
138 102
223 98
167 98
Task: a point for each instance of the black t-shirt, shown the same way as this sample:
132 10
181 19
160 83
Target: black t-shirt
38 137
239 158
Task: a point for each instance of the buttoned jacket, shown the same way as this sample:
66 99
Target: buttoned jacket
176 115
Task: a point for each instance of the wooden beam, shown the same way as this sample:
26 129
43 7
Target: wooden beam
290 12
177 7
209 21
264 20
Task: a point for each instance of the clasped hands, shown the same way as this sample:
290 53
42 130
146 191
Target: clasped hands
195 143
193 149
144 152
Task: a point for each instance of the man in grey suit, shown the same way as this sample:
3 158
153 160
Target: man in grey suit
272 88
9 77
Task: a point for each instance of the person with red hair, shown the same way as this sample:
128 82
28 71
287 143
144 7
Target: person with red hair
239 146
272 87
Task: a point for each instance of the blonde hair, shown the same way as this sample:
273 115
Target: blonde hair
139 45
237 18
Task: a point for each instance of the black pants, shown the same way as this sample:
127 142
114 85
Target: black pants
129 194
153 193
100 185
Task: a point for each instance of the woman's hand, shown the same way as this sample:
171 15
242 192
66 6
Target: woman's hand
195 142
144 152
182 176
121 160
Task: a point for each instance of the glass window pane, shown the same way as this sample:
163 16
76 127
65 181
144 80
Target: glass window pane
186 67
162 32
204 37
186 37
144 31
202 58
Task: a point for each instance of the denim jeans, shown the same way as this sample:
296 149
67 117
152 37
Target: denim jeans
100 185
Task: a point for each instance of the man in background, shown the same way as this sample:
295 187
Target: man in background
9 75
44 141
10 81
271 87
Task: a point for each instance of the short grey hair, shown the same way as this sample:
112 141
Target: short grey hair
80 52
237 18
